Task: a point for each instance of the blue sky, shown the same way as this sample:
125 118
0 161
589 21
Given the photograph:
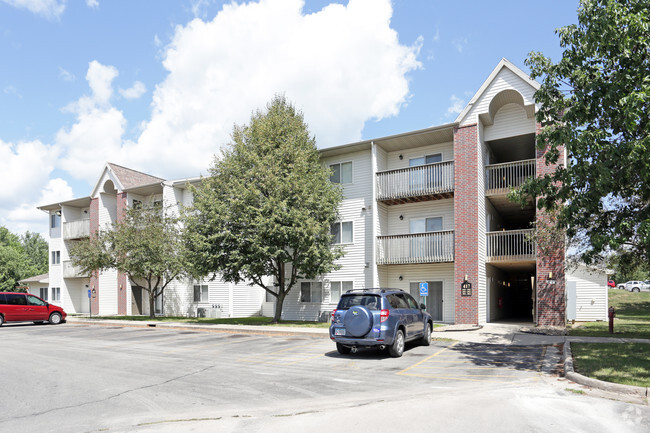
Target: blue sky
157 85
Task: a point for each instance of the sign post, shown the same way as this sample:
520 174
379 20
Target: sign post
424 291
90 307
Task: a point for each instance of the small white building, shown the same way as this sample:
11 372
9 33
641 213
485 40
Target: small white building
587 294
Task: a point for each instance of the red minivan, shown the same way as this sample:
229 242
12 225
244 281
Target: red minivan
23 307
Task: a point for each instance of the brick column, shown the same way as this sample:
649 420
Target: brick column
466 221
121 277
550 280
94 277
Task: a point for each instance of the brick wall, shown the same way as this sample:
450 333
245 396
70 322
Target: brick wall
466 221
121 277
94 280
551 298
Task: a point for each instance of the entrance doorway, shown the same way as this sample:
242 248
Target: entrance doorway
433 302
511 294
136 300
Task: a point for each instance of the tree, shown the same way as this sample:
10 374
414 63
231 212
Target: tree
267 207
596 103
146 245
15 262
36 249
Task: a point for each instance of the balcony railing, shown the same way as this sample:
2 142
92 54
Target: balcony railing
500 178
76 229
432 247
70 271
510 245
424 182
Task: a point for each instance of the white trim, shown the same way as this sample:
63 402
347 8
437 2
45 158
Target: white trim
504 63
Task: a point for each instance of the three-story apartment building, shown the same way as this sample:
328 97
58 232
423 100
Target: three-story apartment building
422 206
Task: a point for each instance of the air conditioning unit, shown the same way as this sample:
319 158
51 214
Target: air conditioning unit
215 313
201 312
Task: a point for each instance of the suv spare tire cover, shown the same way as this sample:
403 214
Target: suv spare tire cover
358 321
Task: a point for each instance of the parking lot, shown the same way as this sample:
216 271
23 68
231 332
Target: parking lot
109 378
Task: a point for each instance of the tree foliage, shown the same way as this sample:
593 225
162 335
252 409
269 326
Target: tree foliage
267 206
21 257
595 101
145 245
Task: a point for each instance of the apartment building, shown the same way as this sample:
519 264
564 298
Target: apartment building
426 206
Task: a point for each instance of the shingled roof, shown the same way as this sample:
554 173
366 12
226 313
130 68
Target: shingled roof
131 178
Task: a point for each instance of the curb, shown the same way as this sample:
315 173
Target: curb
229 329
570 374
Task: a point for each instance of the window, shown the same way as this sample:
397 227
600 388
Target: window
341 232
338 287
311 291
33 300
43 293
137 204
341 172
55 221
423 225
56 293
428 159
16 299
56 258
200 293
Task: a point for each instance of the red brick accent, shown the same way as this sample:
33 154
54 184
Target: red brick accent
121 277
551 298
94 278
466 153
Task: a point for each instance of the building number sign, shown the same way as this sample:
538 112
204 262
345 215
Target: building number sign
466 289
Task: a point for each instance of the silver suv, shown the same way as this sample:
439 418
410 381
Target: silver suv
384 318
638 286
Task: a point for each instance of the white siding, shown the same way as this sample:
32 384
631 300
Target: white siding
591 293
504 80
435 208
393 161
108 293
511 120
417 273
482 253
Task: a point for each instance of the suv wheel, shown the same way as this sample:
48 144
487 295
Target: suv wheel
636 289
426 338
397 348
2 319
343 350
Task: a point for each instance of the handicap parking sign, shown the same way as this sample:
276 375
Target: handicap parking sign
424 289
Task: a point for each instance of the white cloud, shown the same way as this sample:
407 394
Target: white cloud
24 167
460 43
137 90
456 106
342 66
11 90
46 8
96 136
66 75
92 3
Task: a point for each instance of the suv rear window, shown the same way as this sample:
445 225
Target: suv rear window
372 302
16 299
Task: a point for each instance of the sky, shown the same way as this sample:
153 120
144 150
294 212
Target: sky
157 85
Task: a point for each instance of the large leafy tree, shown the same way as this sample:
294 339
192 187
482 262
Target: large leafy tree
267 207
36 249
145 245
14 263
595 102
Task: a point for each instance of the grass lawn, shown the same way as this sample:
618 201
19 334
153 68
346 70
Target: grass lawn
625 363
258 321
632 317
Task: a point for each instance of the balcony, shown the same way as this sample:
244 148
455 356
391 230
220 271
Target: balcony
510 246
70 271
501 178
432 247
76 229
414 184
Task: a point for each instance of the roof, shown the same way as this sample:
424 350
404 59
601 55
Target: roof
43 278
131 178
77 202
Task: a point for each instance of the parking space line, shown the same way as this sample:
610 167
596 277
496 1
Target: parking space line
427 358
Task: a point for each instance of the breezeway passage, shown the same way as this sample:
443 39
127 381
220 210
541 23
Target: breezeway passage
89 378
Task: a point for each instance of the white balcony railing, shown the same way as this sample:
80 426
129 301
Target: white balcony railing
423 180
70 271
500 178
510 245
76 229
432 247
